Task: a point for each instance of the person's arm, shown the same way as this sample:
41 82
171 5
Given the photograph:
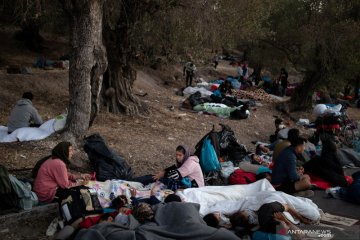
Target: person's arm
173 172
291 168
280 217
35 116
296 214
61 177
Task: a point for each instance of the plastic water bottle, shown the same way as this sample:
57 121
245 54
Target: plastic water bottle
113 190
27 202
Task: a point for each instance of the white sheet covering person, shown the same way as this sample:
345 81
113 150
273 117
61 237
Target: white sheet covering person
229 199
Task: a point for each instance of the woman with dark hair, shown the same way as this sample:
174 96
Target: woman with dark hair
51 175
327 166
186 168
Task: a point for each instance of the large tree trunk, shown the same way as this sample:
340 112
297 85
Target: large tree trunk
87 64
302 97
118 91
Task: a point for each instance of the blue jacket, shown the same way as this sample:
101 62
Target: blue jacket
285 167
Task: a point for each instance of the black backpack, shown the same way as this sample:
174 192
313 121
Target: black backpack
107 164
79 202
8 198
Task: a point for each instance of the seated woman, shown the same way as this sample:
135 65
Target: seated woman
52 177
186 168
327 166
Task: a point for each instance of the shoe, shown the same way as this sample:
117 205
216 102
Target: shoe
306 193
51 230
333 192
61 224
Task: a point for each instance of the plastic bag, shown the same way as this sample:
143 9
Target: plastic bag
208 161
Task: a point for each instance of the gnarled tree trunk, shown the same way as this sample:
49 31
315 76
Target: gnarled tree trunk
118 91
87 64
302 97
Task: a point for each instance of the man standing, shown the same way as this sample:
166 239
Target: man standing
216 60
189 71
24 114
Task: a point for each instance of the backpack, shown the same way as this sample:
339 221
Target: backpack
23 193
107 164
209 160
239 176
8 197
79 202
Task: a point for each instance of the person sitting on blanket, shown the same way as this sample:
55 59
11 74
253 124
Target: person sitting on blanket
225 88
286 177
52 178
24 114
293 134
327 166
186 172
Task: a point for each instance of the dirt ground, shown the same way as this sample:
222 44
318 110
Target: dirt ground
148 143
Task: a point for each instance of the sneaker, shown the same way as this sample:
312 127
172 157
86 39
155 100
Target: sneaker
51 230
333 192
306 193
61 224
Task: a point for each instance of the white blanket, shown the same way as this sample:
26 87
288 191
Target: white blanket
209 195
191 90
31 133
229 199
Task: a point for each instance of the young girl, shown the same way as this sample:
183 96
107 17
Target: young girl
186 167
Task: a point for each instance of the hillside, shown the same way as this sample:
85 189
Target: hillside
147 142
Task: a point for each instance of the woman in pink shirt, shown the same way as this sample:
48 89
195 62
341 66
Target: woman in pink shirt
52 177
186 167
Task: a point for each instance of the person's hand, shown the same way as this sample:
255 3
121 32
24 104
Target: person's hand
265 164
159 175
133 192
82 182
300 171
280 217
155 188
85 176
304 220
